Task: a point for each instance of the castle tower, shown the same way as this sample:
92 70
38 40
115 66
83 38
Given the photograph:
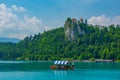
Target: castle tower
85 21
81 20
74 20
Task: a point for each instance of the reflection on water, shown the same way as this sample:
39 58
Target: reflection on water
98 65
24 65
41 71
63 75
37 66
59 73
88 74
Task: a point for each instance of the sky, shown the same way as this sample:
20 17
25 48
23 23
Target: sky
21 18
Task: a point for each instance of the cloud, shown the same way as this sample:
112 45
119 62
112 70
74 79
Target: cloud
6 18
103 20
14 26
19 9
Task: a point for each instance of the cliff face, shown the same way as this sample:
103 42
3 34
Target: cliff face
74 28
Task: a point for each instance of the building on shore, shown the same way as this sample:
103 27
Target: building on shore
102 60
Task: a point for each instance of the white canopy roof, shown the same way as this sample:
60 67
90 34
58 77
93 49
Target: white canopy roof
61 62
55 62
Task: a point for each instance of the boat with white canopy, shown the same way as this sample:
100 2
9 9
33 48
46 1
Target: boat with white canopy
62 65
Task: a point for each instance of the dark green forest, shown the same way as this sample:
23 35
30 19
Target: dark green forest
77 40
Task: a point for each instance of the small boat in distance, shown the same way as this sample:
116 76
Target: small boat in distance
62 65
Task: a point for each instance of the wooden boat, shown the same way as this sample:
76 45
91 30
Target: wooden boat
62 65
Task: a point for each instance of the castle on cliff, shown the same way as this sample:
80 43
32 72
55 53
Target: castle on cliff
73 28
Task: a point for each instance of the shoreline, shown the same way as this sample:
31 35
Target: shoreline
96 60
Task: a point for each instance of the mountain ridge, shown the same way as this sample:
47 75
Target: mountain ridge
4 39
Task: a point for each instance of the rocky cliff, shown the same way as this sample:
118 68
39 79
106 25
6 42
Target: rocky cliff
73 28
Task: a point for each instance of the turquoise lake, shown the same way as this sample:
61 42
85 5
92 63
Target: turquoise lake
35 70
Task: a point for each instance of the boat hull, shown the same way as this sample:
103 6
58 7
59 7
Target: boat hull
53 67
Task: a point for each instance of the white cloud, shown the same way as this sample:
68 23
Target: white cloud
19 9
14 26
6 17
30 25
103 20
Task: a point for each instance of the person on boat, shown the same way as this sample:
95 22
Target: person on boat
73 65
62 65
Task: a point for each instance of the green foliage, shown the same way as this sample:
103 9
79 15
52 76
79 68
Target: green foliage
96 43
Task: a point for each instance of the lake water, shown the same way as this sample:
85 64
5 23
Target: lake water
22 70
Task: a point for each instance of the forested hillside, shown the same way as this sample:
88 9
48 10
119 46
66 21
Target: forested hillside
75 41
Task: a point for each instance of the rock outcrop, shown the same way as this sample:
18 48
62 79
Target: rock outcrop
73 28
